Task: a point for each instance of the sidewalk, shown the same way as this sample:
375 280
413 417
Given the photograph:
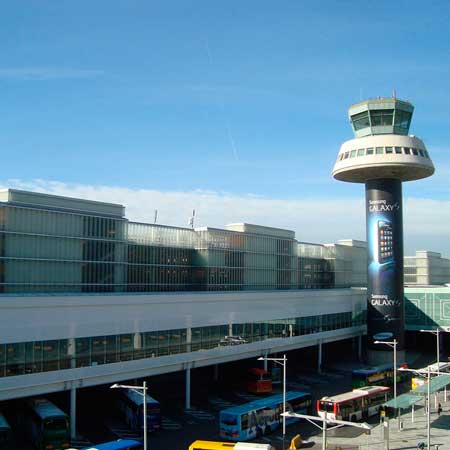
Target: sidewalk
413 432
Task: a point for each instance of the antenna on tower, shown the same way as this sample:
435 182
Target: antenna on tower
156 216
191 219
394 94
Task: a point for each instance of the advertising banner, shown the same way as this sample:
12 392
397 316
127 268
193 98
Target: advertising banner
385 316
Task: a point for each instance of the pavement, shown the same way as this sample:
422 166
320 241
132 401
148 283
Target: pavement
413 432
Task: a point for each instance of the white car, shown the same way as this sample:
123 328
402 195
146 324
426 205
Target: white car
232 340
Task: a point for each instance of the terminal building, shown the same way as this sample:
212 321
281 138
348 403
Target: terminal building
88 297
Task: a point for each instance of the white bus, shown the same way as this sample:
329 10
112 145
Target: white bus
354 405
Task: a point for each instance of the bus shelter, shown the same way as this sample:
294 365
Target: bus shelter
436 384
401 403
406 401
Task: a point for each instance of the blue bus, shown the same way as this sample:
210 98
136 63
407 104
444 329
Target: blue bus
251 420
6 436
121 444
130 404
45 424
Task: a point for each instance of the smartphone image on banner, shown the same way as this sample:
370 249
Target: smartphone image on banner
385 245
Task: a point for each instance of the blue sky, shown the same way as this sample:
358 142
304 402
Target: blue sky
242 100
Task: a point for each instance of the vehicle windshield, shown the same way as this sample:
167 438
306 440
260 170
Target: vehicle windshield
326 406
228 419
57 424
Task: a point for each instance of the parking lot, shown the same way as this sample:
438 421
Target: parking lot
99 421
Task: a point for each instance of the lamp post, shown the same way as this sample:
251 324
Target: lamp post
393 345
335 423
141 390
437 332
428 373
282 362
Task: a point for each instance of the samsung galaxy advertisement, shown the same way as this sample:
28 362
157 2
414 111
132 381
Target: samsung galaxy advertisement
385 319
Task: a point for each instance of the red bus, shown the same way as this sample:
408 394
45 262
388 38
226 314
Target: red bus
259 381
354 405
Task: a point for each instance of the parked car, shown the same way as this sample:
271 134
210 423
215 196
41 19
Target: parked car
232 340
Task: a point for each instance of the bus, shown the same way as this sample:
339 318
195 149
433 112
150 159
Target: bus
354 405
379 376
121 444
253 419
6 436
419 381
211 445
46 425
258 381
130 404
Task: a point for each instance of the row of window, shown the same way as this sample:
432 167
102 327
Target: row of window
43 356
383 151
382 117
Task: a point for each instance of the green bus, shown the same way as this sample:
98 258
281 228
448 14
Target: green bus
46 425
6 436
379 376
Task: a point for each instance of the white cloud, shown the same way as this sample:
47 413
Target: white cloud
314 220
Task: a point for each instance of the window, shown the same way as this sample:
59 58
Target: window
352 153
361 152
379 150
402 119
407 151
389 150
360 121
421 153
398 150
369 151
346 155
415 152
341 157
381 117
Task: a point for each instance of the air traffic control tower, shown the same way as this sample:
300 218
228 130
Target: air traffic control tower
382 155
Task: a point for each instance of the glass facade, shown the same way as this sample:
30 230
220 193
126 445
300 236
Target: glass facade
52 251
44 356
45 250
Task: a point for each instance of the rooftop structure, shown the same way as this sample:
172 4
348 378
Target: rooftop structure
58 244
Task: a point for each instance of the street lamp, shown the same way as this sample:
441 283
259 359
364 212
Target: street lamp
393 345
336 423
281 362
428 375
141 390
436 332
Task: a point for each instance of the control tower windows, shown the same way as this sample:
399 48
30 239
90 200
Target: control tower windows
379 150
346 155
380 117
421 153
361 152
402 119
370 151
389 150
415 152
407 151
360 121
352 153
398 150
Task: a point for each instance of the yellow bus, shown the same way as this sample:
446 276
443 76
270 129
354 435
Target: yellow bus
211 445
